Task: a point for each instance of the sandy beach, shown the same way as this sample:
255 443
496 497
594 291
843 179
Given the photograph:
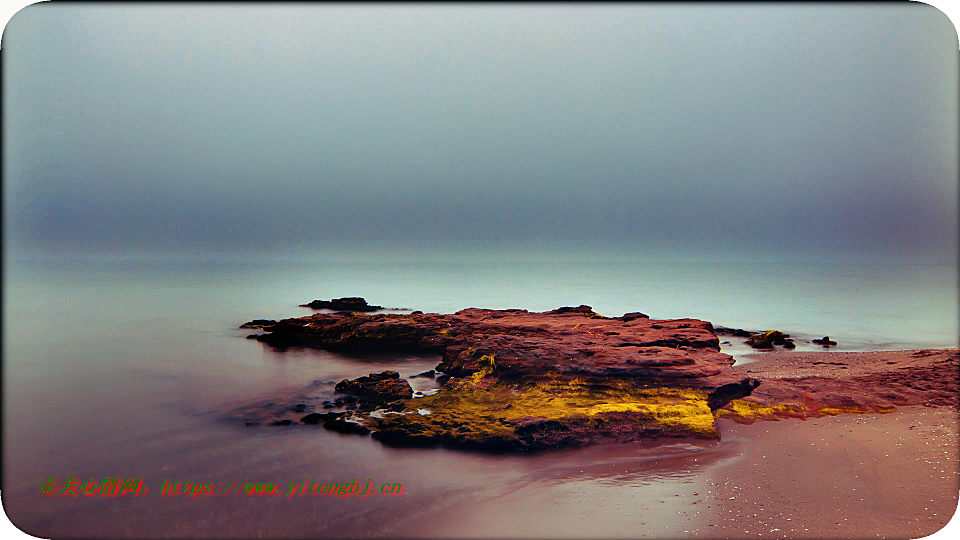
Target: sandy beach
848 476
892 475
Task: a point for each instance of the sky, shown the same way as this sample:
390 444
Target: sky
637 132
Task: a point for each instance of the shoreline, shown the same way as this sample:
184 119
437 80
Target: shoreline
847 476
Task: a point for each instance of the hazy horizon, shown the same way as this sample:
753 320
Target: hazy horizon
775 132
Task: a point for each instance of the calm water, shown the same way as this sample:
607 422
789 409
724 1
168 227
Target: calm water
124 369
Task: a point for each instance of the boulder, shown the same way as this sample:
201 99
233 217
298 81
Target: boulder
825 341
317 418
348 304
258 323
346 426
766 340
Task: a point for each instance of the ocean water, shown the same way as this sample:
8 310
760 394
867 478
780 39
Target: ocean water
122 368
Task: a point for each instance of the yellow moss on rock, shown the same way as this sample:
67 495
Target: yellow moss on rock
471 408
751 410
833 411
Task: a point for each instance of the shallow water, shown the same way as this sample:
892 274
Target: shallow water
125 369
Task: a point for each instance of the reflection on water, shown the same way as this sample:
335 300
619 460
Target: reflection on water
126 369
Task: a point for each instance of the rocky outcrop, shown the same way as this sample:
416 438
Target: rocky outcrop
518 381
521 381
513 380
351 304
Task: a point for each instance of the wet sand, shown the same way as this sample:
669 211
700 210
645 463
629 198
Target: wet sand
888 475
891 475
849 476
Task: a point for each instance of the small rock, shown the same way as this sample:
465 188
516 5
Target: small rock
582 308
316 418
729 392
258 323
343 426
349 304
768 339
735 332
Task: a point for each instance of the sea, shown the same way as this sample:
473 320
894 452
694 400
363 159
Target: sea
117 368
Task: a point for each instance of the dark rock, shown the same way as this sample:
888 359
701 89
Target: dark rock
729 392
627 317
582 308
443 379
825 341
280 340
281 423
789 344
767 340
348 304
258 323
344 400
425 375
384 386
344 426
316 418
735 332
254 336
407 439
328 404
299 407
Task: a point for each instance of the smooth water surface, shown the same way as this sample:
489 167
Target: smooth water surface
124 368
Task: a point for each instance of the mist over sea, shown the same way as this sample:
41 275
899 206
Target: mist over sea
863 306
172 171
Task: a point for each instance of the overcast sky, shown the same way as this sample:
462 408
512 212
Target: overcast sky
822 132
